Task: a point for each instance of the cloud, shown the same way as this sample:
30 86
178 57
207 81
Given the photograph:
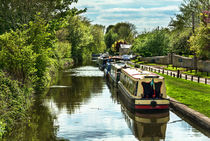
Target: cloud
142 9
145 14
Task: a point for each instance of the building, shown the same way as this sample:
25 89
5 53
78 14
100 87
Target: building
124 49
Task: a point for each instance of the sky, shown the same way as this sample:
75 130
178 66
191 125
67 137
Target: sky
144 14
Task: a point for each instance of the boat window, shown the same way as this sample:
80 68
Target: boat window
129 84
151 91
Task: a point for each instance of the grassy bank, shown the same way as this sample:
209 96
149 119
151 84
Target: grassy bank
16 98
192 94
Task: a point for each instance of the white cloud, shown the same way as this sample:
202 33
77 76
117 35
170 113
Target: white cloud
142 9
145 14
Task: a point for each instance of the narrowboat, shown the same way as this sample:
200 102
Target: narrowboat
143 90
115 71
109 62
107 68
102 63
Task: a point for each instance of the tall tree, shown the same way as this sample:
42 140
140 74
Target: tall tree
80 37
189 10
98 36
126 31
14 13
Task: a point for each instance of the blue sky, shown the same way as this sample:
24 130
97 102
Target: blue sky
144 14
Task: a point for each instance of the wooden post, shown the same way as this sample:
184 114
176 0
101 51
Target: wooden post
174 75
163 71
171 73
191 77
198 79
178 72
167 72
205 80
193 22
186 76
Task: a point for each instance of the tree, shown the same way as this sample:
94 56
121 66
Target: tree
14 13
110 27
178 41
98 38
200 42
188 9
153 43
17 57
121 31
80 37
110 38
125 31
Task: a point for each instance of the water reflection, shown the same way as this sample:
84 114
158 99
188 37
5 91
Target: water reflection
79 88
40 126
82 107
147 127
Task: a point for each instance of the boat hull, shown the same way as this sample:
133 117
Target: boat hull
142 105
112 80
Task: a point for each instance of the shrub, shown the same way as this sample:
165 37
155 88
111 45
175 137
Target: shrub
15 99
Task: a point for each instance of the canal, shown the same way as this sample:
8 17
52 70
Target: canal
81 106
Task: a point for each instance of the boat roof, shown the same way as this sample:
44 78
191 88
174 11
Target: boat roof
116 57
119 65
140 74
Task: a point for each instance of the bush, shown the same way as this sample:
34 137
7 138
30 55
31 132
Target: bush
15 99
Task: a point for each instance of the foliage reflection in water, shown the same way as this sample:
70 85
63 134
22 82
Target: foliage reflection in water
82 107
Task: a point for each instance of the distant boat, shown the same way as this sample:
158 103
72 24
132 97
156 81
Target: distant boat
143 91
115 71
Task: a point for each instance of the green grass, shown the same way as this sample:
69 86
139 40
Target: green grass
192 94
153 64
193 72
138 62
170 67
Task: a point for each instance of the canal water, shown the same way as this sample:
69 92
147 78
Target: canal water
83 107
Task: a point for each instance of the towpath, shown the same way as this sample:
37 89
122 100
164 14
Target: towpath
173 73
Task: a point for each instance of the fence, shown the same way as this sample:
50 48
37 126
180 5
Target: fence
177 74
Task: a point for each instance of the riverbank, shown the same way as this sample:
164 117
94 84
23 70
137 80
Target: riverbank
17 98
194 116
192 94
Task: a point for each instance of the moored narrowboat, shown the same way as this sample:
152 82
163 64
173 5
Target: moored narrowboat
143 91
102 62
115 71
